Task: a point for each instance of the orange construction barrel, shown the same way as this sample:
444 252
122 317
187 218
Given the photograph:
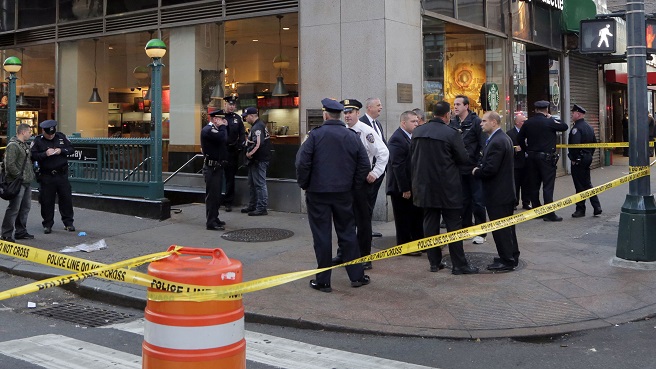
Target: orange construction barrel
198 335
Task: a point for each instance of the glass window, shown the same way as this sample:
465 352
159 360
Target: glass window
542 23
519 77
464 65
554 86
434 50
496 10
76 9
32 13
173 2
472 11
493 92
521 19
556 40
7 9
122 6
444 7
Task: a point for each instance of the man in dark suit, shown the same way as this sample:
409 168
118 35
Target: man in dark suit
408 219
436 152
520 164
496 173
373 107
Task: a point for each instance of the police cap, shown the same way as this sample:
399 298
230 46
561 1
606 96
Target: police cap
218 113
332 105
578 108
541 104
350 104
49 126
249 110
231 99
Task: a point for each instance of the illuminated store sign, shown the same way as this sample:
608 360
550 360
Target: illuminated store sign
556 4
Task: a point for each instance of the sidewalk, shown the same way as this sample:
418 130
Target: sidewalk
564 282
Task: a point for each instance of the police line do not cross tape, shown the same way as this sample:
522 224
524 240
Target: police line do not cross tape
174 291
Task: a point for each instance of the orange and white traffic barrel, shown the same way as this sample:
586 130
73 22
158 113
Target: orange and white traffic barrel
198 335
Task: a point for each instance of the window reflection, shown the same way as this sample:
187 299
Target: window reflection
122 6
471 11
32 13
7 8
444 7
79 9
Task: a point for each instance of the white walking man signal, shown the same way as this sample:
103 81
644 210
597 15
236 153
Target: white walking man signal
603 36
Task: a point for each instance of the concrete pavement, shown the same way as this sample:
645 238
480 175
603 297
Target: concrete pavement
564 282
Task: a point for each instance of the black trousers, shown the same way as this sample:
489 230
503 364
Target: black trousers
472 200
582 182
230 171
213 184
362 212
55 188
540 171
322 209
373 192
408 219
453 220
505 238
521 186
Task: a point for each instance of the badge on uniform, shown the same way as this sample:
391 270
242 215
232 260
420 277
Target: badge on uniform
574 130
214 130
370 137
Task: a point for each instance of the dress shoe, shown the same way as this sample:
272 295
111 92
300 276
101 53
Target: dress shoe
416 253
8 239
597 211
500 267
215 227
228 208
247 210
70 228
25 236
367 265
515 262
257 213
47 230
337 260
552 218
376 234
578 214
435 268
220 222
365 280
527 207
467 269
323 287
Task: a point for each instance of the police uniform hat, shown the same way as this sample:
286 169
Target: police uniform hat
541 104
218 113
350 104
231 99
578 108
49 126
332 105
249 110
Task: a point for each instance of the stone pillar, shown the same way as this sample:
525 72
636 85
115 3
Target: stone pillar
185 87
360 49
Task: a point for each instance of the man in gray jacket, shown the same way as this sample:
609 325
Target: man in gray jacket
17 157
436 152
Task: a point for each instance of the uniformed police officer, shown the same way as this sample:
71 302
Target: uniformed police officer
582 133
213 142
236 137
329 164
50 151
538 138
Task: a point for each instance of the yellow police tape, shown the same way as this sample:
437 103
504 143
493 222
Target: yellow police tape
187 292
596 145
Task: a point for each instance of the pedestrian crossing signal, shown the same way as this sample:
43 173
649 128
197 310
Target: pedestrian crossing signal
650 31
598 36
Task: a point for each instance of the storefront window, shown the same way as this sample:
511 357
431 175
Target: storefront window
493 94
434 49
79 9
472 11
122 6
542 23
554 86
7 9
496 10
32 13
520 78
464 65
521 19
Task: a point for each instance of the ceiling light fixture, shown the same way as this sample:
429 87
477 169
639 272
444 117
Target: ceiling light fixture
95 97
279 89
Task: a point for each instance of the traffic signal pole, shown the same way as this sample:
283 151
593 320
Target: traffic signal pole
636 239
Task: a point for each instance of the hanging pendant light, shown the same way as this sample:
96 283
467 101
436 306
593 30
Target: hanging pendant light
279 89
218 93
95 97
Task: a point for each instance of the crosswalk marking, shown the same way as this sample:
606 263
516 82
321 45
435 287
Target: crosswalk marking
53 351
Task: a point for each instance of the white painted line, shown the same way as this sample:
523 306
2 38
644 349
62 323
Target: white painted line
288 354
53 351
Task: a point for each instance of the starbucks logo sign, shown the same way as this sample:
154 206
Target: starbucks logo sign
493 96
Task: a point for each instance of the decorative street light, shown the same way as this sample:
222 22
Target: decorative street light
156 49
12 65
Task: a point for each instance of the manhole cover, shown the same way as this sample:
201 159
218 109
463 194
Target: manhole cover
479 259
257 235
86 316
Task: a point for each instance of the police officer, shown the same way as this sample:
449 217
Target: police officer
329 164
213 142
582 133
538 138
50 151
236 137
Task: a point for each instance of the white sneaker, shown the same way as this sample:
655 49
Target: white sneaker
478 240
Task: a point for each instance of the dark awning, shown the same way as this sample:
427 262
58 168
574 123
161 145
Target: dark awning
576 10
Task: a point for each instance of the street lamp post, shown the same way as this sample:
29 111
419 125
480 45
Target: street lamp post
637 235
156 49
12 65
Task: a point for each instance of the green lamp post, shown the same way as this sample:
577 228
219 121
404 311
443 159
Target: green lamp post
12 65
156 49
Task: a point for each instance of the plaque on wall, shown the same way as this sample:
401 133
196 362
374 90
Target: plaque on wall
404 93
